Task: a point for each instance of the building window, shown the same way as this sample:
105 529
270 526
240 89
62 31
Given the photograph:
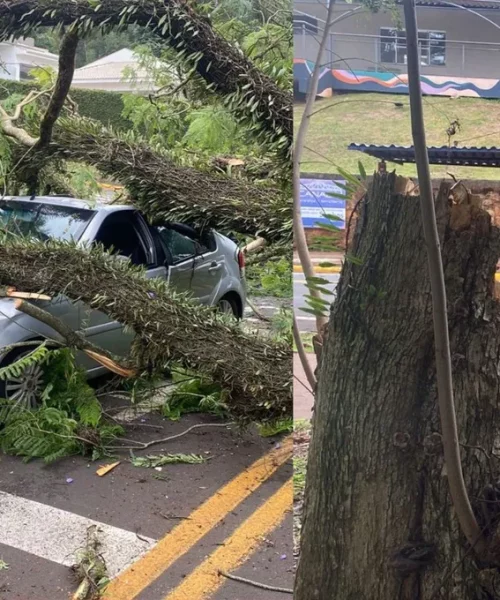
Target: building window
305 25
431 45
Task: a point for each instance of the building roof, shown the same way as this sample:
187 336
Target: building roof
473 4
444 155
112 68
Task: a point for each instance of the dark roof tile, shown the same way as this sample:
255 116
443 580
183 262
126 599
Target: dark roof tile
444 155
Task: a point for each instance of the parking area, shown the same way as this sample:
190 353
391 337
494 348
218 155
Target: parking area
163 533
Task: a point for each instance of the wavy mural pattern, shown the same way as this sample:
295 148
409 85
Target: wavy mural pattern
367 81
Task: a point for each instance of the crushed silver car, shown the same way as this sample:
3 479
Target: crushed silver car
205 264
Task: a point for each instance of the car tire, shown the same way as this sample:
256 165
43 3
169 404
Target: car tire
25 390
227 305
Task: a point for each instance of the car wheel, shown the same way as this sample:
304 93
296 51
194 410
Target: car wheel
23 390
228 306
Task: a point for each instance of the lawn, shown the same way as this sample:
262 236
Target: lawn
375 118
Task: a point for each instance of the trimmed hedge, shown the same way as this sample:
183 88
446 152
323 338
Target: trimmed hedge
102 106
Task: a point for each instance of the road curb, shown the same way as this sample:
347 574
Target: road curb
336 269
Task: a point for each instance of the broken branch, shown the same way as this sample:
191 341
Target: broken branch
74 339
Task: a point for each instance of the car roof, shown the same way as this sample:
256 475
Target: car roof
96 206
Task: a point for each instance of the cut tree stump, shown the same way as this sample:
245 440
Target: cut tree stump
379 523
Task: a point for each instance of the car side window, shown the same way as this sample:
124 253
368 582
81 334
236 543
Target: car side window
121 232
179 246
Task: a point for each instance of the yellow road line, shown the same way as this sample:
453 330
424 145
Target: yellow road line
336 269
131 582
205 580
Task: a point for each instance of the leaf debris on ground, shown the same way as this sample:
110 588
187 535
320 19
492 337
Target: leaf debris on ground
158 460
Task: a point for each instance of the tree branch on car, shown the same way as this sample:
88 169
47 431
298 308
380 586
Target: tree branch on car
254 371
75 340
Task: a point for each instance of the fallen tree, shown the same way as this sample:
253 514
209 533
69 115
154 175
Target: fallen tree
253 97
379 522
160 188
168 326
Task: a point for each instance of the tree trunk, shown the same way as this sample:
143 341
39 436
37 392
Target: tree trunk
379 523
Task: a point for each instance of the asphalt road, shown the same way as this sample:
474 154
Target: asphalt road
300 291
164 535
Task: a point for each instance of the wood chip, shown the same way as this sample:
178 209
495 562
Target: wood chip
105 469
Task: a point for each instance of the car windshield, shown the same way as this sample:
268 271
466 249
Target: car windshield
43 221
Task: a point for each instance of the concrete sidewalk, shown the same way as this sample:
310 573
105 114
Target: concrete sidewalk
303 400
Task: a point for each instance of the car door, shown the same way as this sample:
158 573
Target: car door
127 234
194 264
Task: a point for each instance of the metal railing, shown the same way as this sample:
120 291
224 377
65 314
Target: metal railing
363 52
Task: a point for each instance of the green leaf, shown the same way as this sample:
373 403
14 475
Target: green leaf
316 301
351 178
355 260
337 195
315 279
362 171
321 289
328 226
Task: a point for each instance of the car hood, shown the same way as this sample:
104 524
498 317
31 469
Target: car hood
7 308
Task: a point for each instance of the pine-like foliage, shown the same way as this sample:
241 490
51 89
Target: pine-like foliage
255 372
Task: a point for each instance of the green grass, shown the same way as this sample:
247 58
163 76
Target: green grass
374 119
299 474
302 426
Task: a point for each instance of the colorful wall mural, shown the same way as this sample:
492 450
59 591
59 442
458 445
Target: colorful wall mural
332 80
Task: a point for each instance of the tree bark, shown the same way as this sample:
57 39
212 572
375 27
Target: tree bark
222 65
379 522
256 373
67 53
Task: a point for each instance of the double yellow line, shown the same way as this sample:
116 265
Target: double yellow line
131 582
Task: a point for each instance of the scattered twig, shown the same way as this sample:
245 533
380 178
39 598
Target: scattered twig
144 445
256 584
174 517
91 568
256 311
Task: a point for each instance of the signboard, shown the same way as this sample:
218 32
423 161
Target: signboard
315 202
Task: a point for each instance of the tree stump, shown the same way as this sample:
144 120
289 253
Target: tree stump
379 523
